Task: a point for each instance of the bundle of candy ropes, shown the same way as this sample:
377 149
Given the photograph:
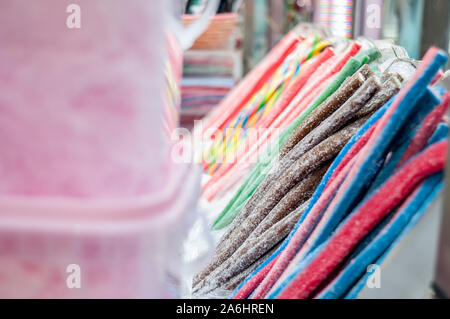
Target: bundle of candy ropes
360 151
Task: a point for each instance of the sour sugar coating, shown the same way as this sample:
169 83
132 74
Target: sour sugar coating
227 288
242 231
366 71
250 252
290 201
389 87
330 125
316 157
323 111
234 282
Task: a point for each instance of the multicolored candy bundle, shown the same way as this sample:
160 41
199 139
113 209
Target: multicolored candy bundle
356 168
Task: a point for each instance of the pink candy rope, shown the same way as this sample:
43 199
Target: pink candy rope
367 216
425 130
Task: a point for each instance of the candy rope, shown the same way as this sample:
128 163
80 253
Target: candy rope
389 195
259 274
369 254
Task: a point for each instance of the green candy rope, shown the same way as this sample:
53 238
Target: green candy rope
234 201
254 178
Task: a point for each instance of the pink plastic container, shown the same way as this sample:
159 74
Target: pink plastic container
85 174
123 247
77 106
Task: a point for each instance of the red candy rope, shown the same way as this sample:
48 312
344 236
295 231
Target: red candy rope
425 130
367 216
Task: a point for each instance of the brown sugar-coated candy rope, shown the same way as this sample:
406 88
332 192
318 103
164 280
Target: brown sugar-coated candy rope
226 247
385 76
320 154
236 280
227 288
304 189
311 161
323 111
349 86
366 71
330 124
249 253
305 130
289 202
